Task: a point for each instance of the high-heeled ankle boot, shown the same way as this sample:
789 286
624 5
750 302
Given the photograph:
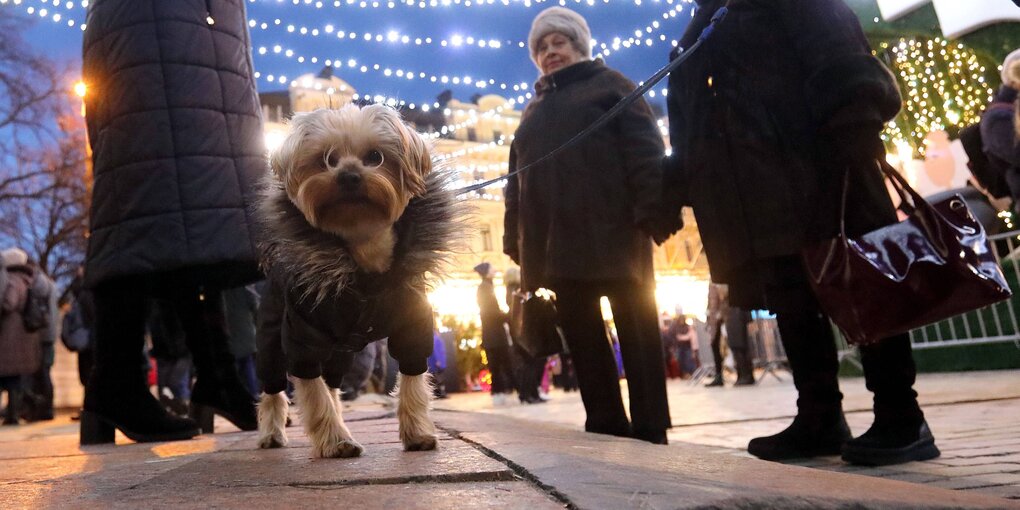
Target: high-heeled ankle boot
218 387
130 408
221 395
116 396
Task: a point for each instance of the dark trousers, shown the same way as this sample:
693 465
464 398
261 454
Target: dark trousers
121 313
501 367
246 369
38 387
14 398
86 358
175 375
889 369
635 315
529 373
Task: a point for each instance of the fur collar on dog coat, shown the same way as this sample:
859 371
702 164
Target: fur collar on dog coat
319 308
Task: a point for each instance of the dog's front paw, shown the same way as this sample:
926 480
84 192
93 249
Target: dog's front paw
274 440
343 449
420 443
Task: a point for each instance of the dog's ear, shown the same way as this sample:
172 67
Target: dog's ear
413 153
419 160
282 161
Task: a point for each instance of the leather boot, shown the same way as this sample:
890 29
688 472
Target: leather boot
716 381
819 428
888 443
717 358
114 403
116 396
11 412
218 387
810 435
900 432
745 367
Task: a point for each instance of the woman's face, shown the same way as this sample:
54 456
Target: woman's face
555 52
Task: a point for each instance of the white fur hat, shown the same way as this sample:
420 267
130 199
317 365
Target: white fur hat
14 257
1011 77
564 21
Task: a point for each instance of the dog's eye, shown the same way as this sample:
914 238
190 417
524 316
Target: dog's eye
332 158
373 158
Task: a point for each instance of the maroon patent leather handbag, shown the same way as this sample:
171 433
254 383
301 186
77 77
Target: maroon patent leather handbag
933 265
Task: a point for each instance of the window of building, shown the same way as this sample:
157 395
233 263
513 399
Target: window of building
486 238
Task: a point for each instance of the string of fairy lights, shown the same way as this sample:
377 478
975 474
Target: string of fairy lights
421 4
944 88
395 37
943 81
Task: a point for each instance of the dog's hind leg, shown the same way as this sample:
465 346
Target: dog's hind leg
272 414
320 413
417 431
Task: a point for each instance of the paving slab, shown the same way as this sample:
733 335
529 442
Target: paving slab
489 495
594 471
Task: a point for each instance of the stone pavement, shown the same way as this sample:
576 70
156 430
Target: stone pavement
486 460
975 417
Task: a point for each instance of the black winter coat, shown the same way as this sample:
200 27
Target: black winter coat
761 120
575 216
319 308
174 122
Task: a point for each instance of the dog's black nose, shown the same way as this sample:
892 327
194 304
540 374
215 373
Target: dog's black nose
348 180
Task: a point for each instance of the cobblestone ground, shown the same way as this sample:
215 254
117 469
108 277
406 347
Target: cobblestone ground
975 417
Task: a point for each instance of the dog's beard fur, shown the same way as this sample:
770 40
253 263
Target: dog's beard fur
389 159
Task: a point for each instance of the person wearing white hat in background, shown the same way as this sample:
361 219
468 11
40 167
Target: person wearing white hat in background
1000 126
582 223
20 350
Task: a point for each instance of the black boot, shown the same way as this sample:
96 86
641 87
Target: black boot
717 358
891 443
810 435
819 428
745 367
12 411
899 433
218 387
131 409
116 396
716 381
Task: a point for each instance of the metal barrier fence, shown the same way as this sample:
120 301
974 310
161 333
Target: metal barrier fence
993 324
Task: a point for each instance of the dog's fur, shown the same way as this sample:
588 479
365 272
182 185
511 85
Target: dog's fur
351 174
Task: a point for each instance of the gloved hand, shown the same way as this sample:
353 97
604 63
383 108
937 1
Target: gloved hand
853 146
660 229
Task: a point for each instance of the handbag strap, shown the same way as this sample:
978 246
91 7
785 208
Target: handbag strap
918 206
908 196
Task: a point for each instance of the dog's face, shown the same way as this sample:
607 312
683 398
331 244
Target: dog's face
352 171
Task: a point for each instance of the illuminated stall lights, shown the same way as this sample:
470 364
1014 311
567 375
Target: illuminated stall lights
944 86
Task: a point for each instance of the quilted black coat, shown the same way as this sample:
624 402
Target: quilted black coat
766 118
173 119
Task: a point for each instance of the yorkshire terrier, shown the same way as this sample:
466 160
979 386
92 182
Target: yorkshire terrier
352 220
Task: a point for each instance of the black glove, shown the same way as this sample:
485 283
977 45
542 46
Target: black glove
853 146
660 229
